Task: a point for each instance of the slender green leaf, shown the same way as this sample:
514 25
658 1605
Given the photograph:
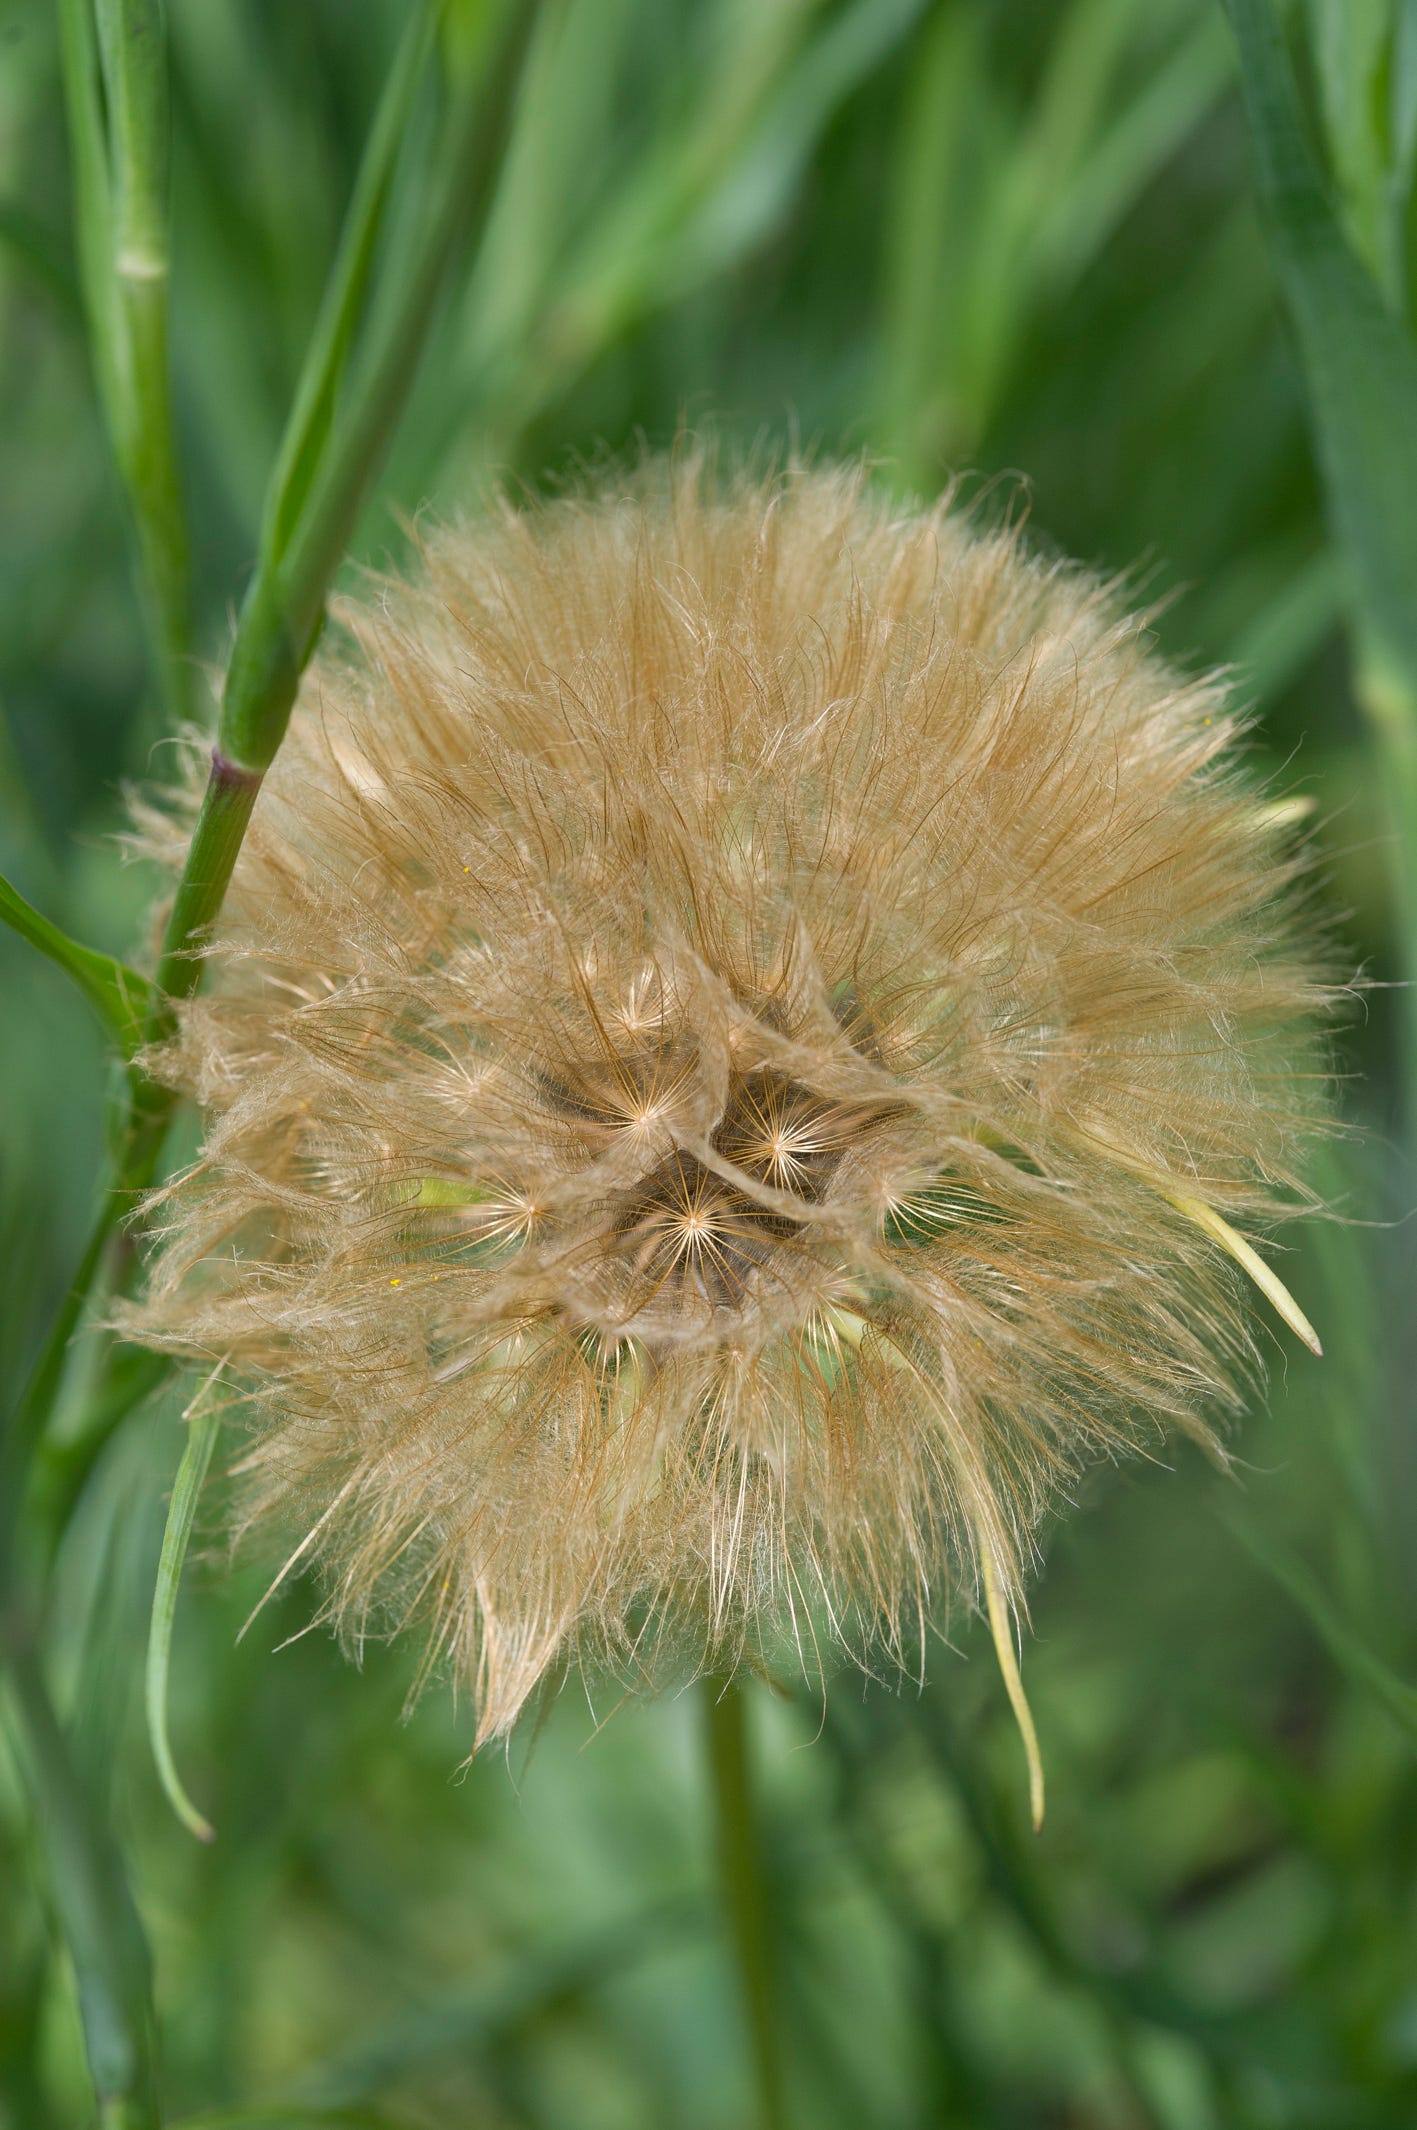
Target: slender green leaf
203 1420
1361 365
939 124
1351 41
94 1908
1289 630
1114 169
128 1376
312 415
1350 1650
122 998
1361 369
93 207
120 206
281 619
24 1426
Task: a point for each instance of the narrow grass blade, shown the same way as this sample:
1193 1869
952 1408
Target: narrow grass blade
128 1376
24 1426
121 997
203 1421
1352 40
925 229
281 619
1360 364
707 184
1350 1650
94 1908
1361 367
282 616
316 397
1154 121
93 207
120 173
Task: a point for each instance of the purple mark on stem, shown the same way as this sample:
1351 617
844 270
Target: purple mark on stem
232 775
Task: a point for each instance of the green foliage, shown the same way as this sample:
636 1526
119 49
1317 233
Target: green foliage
474 242
92 1901
122 999
115 68
1359 355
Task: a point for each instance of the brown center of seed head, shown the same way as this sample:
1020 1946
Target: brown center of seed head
692 1245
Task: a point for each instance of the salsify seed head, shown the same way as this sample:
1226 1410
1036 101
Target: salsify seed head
734 1001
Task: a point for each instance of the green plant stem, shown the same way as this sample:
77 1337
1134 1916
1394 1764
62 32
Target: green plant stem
281 621
121 213
284 611
278 627
316 402
134 51
211 856
747 1907
120 176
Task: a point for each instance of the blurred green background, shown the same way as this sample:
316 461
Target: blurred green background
1005 238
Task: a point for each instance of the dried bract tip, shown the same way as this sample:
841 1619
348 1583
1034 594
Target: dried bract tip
745 1026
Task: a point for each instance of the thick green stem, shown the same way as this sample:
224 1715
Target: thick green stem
747 1907
216 841
284 610
281 621
120 167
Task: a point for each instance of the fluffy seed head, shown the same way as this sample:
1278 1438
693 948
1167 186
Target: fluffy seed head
730 1007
